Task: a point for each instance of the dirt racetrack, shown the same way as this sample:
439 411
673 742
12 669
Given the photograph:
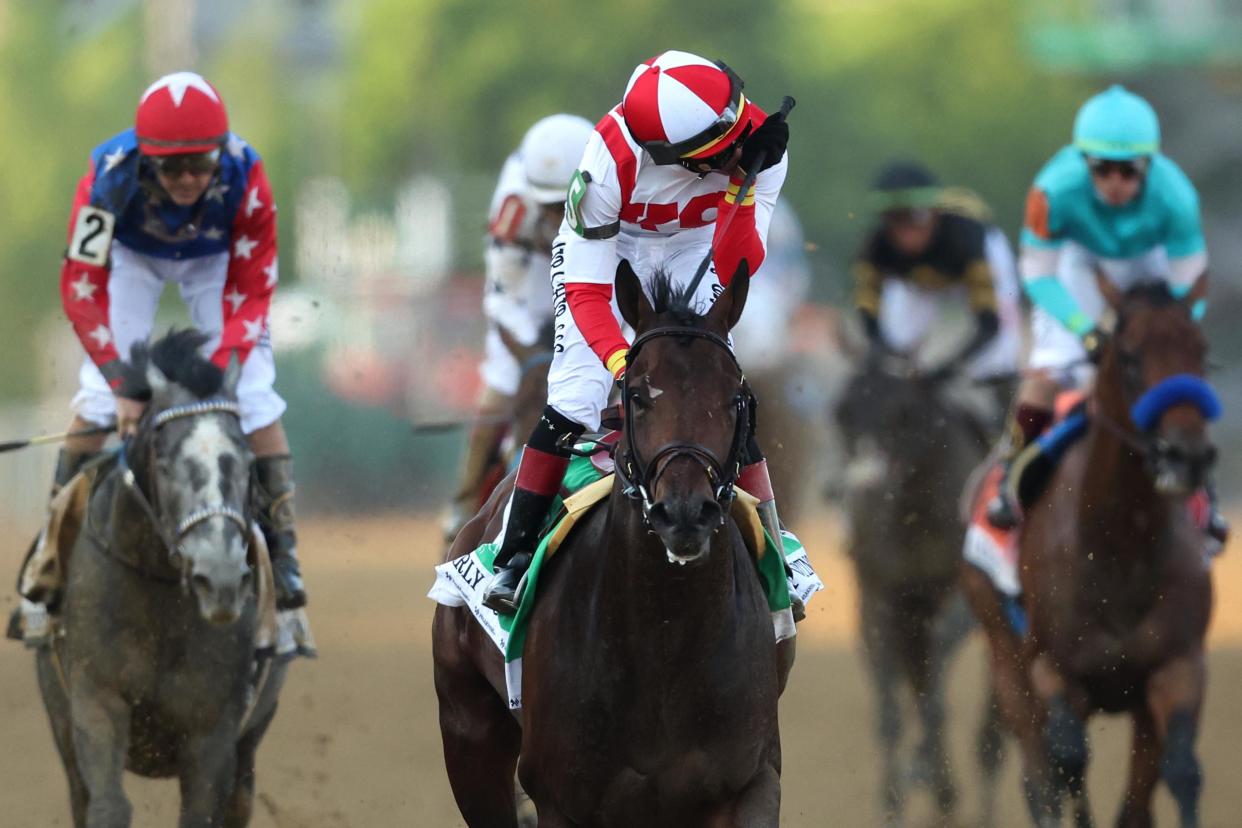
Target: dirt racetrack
356 741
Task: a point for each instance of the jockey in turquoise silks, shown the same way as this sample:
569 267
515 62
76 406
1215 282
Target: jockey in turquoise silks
1112 202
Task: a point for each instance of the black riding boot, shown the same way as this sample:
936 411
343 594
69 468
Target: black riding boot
68 463
538 481
1003 510
273 500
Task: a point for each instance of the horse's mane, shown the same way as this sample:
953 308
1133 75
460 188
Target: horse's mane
176 355
674 301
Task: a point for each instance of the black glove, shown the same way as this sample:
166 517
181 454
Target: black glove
1094 342
770 138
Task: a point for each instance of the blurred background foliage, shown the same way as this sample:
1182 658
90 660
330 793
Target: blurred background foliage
374 94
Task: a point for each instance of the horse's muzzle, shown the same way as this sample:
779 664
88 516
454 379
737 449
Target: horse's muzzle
220 588
685 524
1181 464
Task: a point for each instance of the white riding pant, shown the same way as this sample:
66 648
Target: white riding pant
1055 347
134 289
909 313
578 383
521 309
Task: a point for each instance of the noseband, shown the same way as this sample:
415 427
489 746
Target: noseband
639 478
1150 404
172 542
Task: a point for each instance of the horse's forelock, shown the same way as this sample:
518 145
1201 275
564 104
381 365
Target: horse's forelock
674 304
177 356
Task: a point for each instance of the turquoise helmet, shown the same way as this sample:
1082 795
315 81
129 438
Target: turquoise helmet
1118 125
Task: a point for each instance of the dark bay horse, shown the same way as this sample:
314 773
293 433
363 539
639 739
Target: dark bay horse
650 677
910 451
1114 576
154 670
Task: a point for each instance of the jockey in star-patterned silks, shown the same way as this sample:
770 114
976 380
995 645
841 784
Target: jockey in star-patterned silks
657 172
1110 200
180 199
524 217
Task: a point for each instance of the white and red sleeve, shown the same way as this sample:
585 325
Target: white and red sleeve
252 272
747 234
590 263
84 288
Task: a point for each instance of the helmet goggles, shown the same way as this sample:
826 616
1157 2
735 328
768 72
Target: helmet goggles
664 152
196 163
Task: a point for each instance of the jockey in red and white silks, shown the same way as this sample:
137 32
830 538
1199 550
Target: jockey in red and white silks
658 171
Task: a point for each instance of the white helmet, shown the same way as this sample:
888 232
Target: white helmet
550 154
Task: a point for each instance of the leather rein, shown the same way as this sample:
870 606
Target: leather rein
639 477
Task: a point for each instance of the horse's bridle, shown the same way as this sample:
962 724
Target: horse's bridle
639 478
1147 442
172 540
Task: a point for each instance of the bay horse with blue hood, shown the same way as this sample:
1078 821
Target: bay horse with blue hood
1115 580
650 675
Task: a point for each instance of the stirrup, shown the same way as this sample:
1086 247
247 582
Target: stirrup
1002 514
504 592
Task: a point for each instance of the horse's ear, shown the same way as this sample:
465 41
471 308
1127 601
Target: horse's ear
631 300
1111 293
1198 291
727 308
232 375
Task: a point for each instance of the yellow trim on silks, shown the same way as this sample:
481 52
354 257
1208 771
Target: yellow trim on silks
867 283
616 362
731 194
741 107
980 289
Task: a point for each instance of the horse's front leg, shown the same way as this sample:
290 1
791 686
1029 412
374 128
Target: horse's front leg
100 742
208 775
759 805
1175 698
1144 772
1065 736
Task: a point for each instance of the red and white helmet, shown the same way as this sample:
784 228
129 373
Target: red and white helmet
678 105
180 113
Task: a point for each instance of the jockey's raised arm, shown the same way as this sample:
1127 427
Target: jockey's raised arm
658 173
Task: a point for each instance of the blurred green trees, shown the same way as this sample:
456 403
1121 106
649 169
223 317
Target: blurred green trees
449 86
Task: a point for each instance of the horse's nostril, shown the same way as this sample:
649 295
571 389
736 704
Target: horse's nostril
709 513
658 514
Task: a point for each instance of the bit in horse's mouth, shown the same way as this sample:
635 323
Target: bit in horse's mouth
682 560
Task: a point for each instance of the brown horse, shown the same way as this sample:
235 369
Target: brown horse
1113 574
650 678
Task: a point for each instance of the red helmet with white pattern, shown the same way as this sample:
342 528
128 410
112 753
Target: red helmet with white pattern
678 105
180 113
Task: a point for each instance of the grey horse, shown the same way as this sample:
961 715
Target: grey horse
910 453
155 671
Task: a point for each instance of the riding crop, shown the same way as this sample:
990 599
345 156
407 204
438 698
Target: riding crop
45 439
787 103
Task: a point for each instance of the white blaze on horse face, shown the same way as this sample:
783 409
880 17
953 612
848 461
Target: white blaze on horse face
206 444
652 391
